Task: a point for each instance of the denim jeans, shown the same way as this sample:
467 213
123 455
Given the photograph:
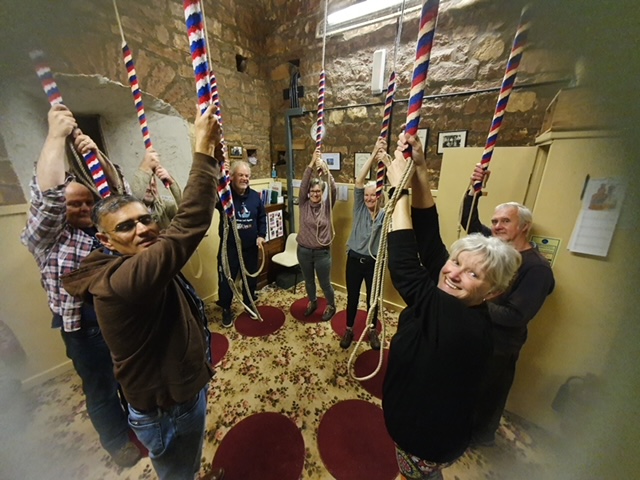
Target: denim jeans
312 262
91 358
173 437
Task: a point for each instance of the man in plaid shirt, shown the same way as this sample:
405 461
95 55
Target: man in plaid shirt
59 234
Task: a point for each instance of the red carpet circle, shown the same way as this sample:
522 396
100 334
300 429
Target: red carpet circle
365 365
219 347
272 320
298 308
264 446
339 324
354 443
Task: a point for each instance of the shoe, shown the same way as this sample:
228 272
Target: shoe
329 312
347 338
217 475
127 456
227 318
374 341
312 306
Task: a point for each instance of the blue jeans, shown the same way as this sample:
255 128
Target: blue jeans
91 358
173 437
312 262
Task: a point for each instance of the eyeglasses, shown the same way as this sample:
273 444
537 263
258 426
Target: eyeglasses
129 225
317 192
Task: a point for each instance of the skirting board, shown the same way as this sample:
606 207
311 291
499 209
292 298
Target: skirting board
42 377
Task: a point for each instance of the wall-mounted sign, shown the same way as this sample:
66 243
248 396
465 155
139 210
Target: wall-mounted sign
547 246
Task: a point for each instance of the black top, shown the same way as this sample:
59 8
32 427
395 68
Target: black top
438 353
514 309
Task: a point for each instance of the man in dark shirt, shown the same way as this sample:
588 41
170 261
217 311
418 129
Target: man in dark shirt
251 218
511 312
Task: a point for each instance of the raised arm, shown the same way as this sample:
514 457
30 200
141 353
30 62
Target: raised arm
379 149
146 170
303 193
475 225
50 169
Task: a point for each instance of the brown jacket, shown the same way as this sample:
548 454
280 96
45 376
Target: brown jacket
150 323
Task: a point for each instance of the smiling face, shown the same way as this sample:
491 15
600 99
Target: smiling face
79 201
464 278
129 230
240 178
315 194
370 199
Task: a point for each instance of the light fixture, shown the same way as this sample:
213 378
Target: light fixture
360 10
366 13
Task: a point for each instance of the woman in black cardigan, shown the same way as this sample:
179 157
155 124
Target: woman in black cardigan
444 335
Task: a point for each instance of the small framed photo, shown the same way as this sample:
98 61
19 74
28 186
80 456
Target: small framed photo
455 139
235 151
360 160
332 159
423 134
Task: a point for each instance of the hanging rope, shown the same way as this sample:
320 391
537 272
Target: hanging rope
388 104
519 44
320 132
428 19
135 89
207 90
98 178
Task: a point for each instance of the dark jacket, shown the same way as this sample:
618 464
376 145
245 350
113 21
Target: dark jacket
438 352
151 324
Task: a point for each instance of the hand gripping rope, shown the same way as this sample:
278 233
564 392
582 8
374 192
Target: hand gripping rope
207 90
428 19
519 44
50 87
320 132
388 104
135 89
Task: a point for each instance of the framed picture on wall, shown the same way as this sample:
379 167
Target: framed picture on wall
332 159
423 134
360 160
454 139
235 151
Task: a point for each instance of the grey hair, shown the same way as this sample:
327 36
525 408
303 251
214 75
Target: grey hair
500 260
111 204
237 164
382 199
524 214
317 182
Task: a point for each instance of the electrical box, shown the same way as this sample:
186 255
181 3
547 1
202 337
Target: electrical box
377 73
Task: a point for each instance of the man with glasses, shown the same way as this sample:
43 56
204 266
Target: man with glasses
151 317
59 234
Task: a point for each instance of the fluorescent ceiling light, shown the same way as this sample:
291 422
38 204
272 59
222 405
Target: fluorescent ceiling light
360 10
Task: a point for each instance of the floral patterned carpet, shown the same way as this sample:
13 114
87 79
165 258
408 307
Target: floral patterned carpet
299 371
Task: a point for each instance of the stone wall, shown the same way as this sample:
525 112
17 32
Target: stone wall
471 47
82 37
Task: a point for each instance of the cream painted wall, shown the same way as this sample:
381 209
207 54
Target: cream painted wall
574 331
24 304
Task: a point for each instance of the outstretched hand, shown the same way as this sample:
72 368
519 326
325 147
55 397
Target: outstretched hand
208 131
417 151
396 167
61 121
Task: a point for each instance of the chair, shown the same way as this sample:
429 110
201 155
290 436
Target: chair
289 258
